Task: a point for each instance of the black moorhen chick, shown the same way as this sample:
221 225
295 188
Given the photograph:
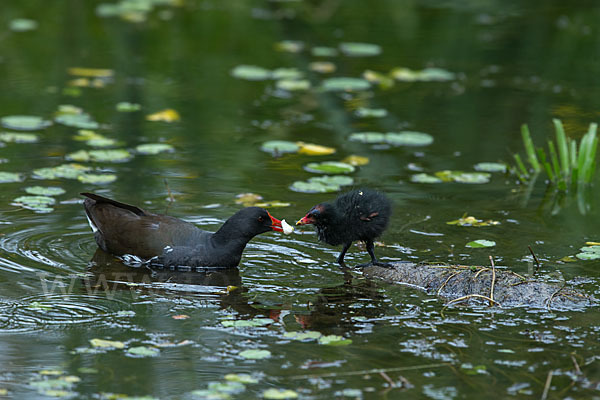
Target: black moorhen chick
122 229
361 214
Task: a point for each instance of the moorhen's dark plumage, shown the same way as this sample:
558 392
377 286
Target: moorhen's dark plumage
122 229
361 214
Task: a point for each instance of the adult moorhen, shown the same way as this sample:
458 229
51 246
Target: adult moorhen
361 214
122 229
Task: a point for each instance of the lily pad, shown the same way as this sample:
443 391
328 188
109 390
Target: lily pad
242 378
408 138
97 179
277 147
589 253
279 394
68 171
7 177
247 323
24 122
345 84
329 167
143 351
490 167
22 25
286 74
480 243
463 177
45 191
18 137
322 184
80 121
112 155
293 85
303 336
322 51
424 178
35 203
360 49
363 112
255 354
251 73
125 106
427 74
103 343
334 340
153 148
367 137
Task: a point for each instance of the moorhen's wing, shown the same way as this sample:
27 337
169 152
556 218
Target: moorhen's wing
125 229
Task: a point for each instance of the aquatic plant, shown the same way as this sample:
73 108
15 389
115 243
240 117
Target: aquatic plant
566 163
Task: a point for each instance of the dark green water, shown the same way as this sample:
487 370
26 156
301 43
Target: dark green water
515 63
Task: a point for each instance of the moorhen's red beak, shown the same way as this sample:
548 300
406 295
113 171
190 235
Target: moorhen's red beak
275 224
306 220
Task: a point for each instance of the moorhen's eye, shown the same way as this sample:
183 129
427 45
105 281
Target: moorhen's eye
261 219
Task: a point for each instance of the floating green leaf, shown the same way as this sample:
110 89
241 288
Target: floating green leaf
231 387
286 73
367 137
18 137
255 354
329 167
68 171
302 336
7 177
322 51
360 49
103 343
35 203
334 340
589 253
24 122
427 74
277 147
279 394
322 184
80 121
22 25
126 106
293 84
424 178
153 148
242 378
363 112
408 138
247 323
45 191
463 177
143 351
251 73
112 155
94 139
345 84
490 167
480 243
97 179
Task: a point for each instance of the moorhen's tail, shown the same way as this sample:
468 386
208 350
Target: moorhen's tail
100 199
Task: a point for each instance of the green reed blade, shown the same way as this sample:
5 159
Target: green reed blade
542 157
563 150
529 148
521 170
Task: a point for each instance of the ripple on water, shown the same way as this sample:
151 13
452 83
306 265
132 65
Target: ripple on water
60 250
33 313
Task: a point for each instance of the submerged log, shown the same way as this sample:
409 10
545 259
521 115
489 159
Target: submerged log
495 286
